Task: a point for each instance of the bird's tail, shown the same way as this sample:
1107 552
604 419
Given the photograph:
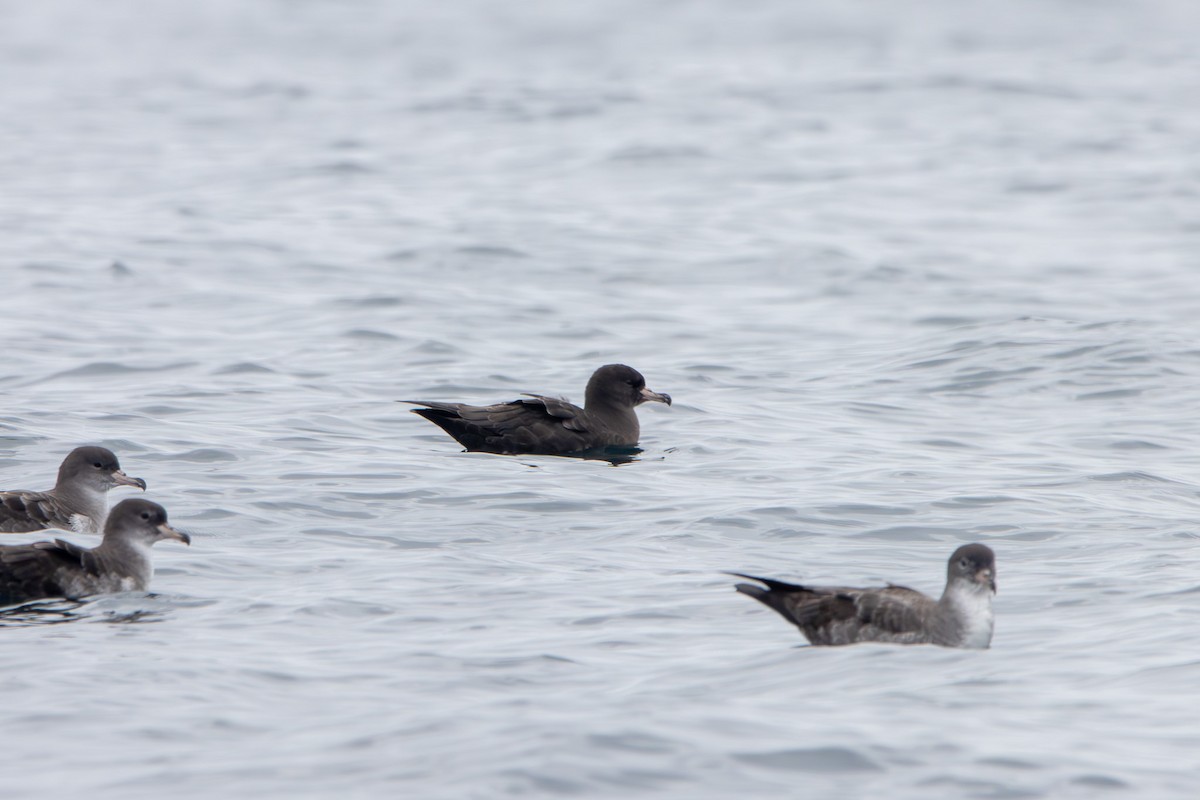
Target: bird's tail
774 596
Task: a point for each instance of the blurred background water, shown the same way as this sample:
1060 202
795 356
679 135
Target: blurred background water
916 274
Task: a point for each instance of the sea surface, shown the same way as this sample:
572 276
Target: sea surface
916 274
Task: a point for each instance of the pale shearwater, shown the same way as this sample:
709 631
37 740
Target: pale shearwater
836 615
78 501
121 562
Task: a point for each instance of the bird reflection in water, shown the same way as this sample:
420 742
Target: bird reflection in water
58 612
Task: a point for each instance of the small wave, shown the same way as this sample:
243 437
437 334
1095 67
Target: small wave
1094 781
911 533
368 334
853 509
1137 444
1110 394
436 347
817 759
1129 477
632 742
372 301
242 368
646 153
290 91
346 167
110 369
202 455
490 251
162 410
974 501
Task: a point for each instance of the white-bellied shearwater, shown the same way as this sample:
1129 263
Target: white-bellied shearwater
836 615
78 501
548 425
121 562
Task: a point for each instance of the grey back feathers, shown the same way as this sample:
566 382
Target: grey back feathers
962 617
121 562
78 500
536 424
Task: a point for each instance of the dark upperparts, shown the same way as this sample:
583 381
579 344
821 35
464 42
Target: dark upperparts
551 426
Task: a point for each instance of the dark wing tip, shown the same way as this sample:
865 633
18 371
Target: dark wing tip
750 590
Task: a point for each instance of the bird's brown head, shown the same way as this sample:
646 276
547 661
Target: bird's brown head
974 564
96 468
621 386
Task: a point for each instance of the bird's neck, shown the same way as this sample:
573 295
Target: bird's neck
967 613
90 504
128 559
603 407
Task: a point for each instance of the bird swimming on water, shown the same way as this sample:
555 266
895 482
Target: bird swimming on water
78 501
120 563
835 615
542 425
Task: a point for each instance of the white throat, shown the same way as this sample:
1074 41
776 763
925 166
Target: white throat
131 560
973 607
92 507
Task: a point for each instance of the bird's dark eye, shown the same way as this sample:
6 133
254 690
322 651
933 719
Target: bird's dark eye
962 562
145 515
98 465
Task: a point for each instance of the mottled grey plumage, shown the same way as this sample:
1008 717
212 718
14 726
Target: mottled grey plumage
836 615
78 501
121 563
548 425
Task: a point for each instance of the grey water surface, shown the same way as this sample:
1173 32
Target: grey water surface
916 274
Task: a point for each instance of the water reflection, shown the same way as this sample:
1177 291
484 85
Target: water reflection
41 612
613 454
57 612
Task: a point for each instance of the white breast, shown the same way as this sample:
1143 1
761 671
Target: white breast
974 610
83 524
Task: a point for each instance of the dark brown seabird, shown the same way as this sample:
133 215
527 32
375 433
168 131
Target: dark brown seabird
835 615
78 501
121 563
548 425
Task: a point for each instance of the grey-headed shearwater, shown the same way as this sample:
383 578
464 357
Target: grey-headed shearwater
548 425
835 615
78 500
121 562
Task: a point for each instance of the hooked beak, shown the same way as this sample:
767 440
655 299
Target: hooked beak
646 394
121 479
987 578
165 531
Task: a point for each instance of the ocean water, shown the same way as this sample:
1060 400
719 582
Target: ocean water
916 274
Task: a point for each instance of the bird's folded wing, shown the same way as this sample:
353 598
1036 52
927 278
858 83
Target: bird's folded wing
569 414
895 609
29 571
28 511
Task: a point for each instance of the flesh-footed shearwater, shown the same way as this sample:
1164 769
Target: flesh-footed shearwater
835 615
121 563
548 425
78 500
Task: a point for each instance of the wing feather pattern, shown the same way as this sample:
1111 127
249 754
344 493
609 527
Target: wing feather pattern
44 569
532 424
30 511
838 615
